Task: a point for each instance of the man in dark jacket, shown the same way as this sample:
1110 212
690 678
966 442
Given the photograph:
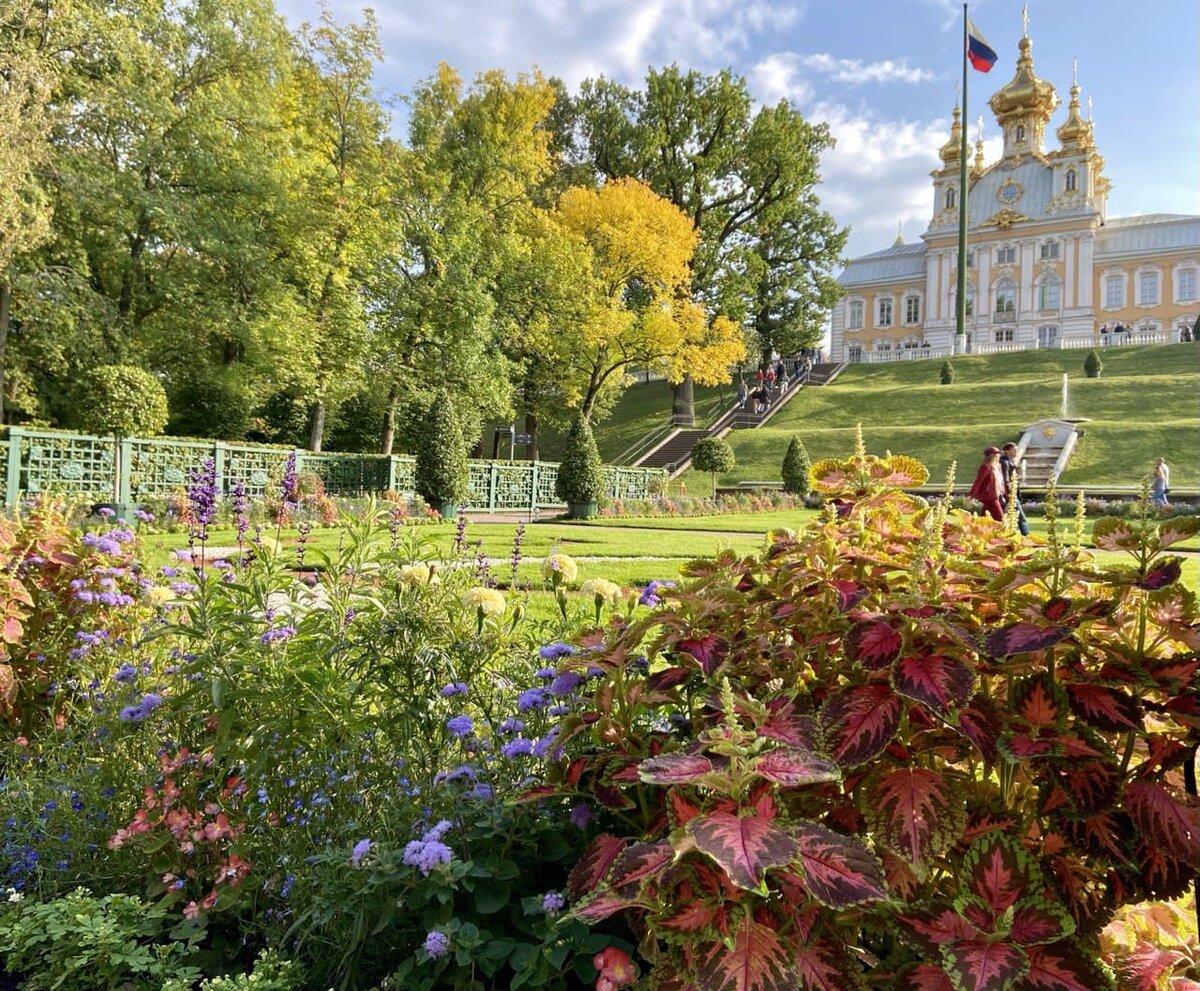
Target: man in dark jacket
1009 464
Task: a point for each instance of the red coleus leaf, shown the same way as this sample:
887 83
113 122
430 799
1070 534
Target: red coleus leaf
704 650
1036 920
1088 787
1144 968
593 865
1105 708
931 928
787 725
681 809
1042 704
916 812
1063 967
998 871
1024 638
980 722
859 722
849 594
924 977
1168 820
599 905
874 644
824 966
941 683
675 769
791 768
754 960
637 864
1165 574
692 916
1057 609
838 870
744 847
660 681
978 965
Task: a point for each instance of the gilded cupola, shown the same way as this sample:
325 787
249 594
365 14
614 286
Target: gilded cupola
951 152
1024 106
1075 133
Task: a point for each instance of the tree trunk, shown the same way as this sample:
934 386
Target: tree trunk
531 428
317 434
389 424
5 294
683 403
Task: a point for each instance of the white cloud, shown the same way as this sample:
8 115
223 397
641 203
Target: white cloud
856 72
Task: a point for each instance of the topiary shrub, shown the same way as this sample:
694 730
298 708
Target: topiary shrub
123 400
580 481
947 373
441 462
797 469
714 455
1092 365
866 758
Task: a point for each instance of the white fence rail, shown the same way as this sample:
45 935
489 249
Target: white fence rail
1096 340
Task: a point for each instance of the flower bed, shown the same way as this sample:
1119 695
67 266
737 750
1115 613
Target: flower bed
685 505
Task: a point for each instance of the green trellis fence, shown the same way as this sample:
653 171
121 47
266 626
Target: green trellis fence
44 462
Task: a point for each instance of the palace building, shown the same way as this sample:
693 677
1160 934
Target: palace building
1045 266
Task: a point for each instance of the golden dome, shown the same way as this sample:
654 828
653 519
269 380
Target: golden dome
1075 132
951 151
1026 94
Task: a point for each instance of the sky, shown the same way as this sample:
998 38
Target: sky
881 73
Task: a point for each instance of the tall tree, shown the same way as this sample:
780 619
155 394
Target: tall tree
697 141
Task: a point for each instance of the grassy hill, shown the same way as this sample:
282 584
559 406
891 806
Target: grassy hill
1146 404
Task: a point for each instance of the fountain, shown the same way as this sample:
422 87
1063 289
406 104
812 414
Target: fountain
1066 397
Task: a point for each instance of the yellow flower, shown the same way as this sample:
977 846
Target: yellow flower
419 574
158 595
560 566
486 600
602 589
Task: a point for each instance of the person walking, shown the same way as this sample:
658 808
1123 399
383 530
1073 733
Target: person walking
988 487
742 393
1010 468
1160 483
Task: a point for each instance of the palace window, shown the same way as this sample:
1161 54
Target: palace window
912 309
855 321
1006 300
884 317
970 300
1072 180
1020 132
910 344
854 353
1185 285
1049 250
1050 293
1147 288
970 259
950 198
1114 292
883 344
1147 327
1005 335
1006 255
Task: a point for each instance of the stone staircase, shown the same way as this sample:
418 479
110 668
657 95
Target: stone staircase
675 452
1045 449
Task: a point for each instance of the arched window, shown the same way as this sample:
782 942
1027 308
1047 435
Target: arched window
970 300
950 198
1006 300
1020 132
1049 293
1072 180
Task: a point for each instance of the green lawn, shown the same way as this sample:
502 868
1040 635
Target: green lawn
1143 406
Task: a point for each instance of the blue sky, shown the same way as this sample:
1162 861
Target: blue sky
881 72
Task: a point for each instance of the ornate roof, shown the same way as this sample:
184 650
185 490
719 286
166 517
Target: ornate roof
1148 232
1025 94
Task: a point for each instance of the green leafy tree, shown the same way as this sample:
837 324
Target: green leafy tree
797 469
441 466
580 478
947 373
123 400
1092 365
714 455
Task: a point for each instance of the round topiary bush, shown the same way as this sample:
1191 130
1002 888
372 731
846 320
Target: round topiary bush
715 456
1092 365
580 482
441 466
123 400
797 469
947 373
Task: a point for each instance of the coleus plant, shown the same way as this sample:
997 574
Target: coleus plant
905 750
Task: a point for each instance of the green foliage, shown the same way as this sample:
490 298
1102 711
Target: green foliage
714 455
441 453
79 941
796 473
580 475
123 400
1092 365
947 374
910 783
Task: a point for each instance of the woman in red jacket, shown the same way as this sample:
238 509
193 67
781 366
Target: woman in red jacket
988 487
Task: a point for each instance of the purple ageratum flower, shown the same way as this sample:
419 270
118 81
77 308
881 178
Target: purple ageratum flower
650 596
454 688
460 773
361 849
289 486
107 513
532 698
460 726
435 832
546 674
580 816
546 743
425 855
512 725
203 492
279 633
520 747
141 514
125 673
553 903
437 944
554 651
566 683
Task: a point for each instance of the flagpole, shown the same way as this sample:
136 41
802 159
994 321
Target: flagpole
960 321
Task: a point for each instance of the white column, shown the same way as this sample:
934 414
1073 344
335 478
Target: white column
1086 244
933 302
1069 249
948 310
1026 284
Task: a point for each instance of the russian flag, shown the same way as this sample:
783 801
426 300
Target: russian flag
982 55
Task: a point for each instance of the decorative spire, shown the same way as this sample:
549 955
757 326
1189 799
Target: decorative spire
979 147
1024 20
1075 133
899 234
1026 103
951 151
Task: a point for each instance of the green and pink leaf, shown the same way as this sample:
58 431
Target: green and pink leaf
744 847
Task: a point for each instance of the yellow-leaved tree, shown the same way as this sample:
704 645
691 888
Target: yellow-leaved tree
637 309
